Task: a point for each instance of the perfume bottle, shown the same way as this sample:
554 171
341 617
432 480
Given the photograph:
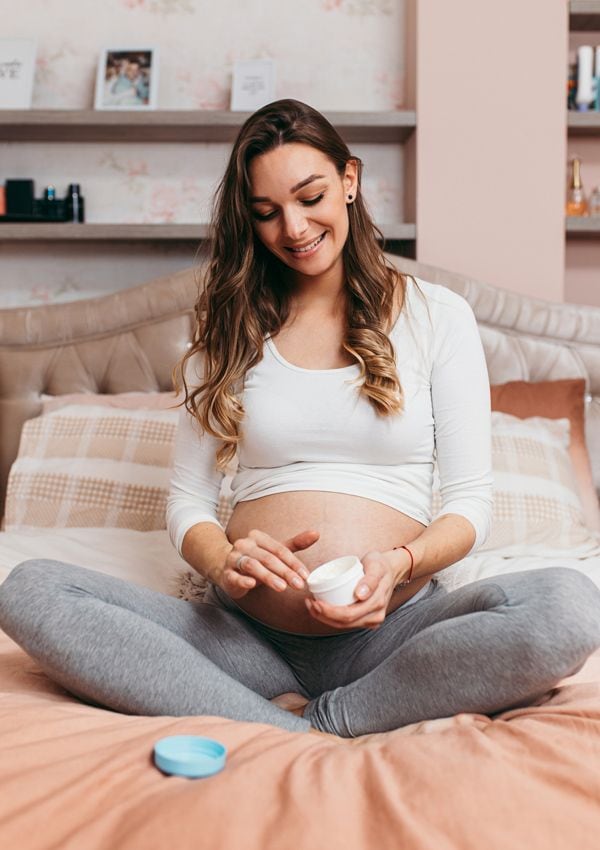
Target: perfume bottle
576 201
75 203
594 204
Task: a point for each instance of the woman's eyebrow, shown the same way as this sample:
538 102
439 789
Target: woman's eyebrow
300 185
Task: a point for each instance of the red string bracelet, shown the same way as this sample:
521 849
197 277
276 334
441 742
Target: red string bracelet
412 563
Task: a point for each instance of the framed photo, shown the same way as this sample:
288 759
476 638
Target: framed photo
17 67
127 78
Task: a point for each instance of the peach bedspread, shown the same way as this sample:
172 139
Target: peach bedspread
76 776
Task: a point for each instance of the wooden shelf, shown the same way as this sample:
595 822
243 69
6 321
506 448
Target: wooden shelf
582 226
583 123
59 232
584 15
141 232
57 125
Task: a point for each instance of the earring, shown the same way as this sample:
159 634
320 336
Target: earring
349 197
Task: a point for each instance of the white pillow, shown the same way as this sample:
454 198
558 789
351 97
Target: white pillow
537 509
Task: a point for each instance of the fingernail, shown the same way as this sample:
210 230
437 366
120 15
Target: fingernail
363 590
303 572
297 582
279 582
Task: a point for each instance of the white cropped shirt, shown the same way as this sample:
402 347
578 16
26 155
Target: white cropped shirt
309 429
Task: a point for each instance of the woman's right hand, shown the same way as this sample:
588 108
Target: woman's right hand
266 561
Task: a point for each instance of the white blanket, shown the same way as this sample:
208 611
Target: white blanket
490 564
148 557
143 557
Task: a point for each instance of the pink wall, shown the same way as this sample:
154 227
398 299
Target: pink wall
492 141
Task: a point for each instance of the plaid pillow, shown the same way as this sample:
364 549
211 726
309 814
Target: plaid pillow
536 499
95 466
92 466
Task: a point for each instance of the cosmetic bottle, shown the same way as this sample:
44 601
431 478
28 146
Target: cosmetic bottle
576 201
572 86
75 210
594 202
585 77
53 208
19 197
596 104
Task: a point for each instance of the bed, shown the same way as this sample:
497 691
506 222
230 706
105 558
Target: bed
73 775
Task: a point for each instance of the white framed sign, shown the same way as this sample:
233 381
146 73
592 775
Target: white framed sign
253 84
127 78
17 68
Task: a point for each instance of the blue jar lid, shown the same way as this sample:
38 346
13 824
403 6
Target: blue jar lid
189 755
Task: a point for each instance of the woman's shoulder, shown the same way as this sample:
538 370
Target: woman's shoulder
439 302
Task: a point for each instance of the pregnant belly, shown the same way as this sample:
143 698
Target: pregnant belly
348 525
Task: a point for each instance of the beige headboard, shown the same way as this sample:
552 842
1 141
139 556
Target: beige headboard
131 339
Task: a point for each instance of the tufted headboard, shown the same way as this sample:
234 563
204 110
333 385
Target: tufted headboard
130 340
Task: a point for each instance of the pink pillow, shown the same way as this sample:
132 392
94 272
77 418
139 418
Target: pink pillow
561 399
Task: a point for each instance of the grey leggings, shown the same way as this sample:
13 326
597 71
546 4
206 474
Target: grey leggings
491 645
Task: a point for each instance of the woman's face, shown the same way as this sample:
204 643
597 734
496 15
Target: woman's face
299 206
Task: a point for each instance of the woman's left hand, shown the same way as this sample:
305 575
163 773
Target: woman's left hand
369 611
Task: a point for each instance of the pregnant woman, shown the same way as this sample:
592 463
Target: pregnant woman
330 384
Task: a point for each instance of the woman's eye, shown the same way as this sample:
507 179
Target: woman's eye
309 202
263 217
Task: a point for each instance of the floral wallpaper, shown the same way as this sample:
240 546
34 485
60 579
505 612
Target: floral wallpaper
333 54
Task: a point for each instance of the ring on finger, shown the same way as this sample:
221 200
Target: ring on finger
240 563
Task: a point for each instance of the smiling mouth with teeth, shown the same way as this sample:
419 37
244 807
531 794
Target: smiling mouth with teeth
308 247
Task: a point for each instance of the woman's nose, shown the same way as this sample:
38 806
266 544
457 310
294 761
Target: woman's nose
295 224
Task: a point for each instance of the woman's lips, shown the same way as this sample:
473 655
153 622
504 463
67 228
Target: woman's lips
308 252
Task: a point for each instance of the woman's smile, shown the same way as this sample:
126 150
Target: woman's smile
309 248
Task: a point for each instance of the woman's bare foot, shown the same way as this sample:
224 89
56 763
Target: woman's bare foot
291 702
295 703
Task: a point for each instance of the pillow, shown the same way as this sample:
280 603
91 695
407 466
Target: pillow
537 509
88 465
97 465
556 400
132 401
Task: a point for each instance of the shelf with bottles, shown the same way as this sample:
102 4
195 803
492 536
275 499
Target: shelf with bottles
582 211
57 125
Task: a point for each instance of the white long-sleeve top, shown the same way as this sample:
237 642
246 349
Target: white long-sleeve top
309 429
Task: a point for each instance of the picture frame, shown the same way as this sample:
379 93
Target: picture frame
17 70
127 78
253 84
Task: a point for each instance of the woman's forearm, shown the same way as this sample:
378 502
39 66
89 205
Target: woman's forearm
205 547
445 541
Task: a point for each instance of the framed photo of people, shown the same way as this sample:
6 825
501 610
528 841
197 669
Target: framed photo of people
127 78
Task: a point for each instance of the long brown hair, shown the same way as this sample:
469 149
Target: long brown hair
245 296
